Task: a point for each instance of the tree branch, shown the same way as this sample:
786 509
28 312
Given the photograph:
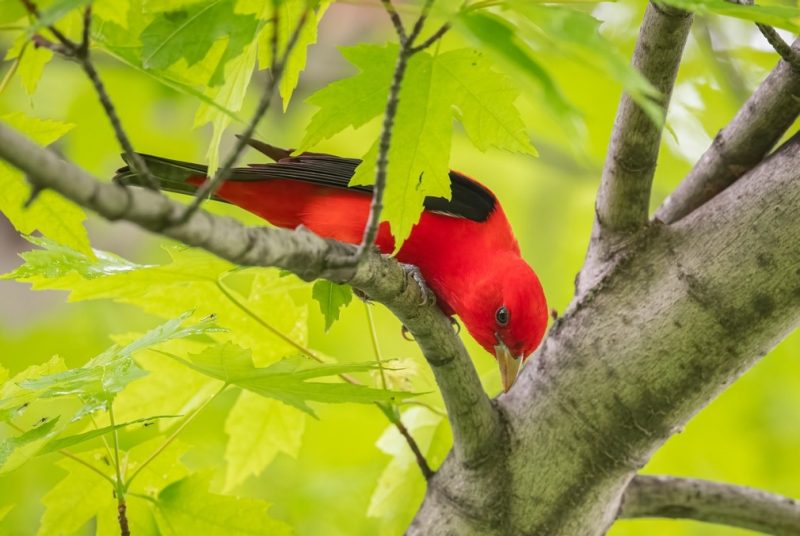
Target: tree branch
744 142
711 502
476 426
624 196
623 199
688 310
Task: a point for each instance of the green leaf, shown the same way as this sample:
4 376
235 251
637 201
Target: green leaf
289 15
31 66
4 510
401 487
287 380
101 378
55 260
484 100
331 298
434 89
14 399
192 280
500 38
258 430
189 34
16 450
76 499
186 507
785 17
51 214
353 101
76 439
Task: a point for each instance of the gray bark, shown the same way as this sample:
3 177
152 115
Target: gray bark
686 498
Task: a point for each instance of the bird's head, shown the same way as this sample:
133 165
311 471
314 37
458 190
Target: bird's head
506 313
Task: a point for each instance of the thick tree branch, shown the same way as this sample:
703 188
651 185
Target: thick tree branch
743 143
624 195
476 427
690 308
712 502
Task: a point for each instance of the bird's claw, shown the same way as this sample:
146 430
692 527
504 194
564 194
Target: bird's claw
406 333
361 296
416 275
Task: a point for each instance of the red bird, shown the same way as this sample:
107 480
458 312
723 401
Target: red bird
464 247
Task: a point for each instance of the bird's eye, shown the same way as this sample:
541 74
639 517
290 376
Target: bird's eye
502 316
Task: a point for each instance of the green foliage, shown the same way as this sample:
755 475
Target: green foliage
185 508
287 380
189 34
331 298
435 89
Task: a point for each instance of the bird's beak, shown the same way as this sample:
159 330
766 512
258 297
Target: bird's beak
509 365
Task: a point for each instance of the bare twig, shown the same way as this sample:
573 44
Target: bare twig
438 34
772 36
407 49
210 186
742 144
426 470
712 502
394 16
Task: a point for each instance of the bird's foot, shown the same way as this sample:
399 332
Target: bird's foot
406 333
416 275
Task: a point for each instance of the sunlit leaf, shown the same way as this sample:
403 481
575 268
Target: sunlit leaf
259 429
76 499
76 439
101 378
188 34
288 380
16 450
186 507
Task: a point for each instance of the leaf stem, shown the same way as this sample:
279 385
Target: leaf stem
375 346
189 418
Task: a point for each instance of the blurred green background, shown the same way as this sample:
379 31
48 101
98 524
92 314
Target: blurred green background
750 435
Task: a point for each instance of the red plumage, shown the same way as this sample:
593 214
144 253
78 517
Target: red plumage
465 248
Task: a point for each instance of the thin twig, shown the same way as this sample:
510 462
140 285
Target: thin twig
438 34
80 53
173 435
786 52
393 101
712 502
210 186
427 472
394 16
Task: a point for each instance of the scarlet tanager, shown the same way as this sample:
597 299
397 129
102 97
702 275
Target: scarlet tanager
464 247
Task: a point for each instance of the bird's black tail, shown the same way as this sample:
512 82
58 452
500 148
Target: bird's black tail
171 175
